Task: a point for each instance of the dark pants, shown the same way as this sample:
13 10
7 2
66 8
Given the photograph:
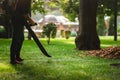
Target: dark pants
18 36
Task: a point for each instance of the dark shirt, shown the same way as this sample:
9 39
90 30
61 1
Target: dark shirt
23 6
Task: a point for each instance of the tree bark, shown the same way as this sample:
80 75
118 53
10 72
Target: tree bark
87 38
115 19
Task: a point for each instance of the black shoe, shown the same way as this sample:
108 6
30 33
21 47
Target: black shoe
19 59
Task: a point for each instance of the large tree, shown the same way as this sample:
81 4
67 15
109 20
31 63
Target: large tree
87 38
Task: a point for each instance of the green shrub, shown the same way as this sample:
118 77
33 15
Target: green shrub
62 33
54 31
73 34
101 25
67 34
2 32
49 30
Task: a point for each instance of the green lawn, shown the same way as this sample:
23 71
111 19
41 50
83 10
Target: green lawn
66 62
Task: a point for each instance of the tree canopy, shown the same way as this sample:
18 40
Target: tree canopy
44 6
70 8
38 6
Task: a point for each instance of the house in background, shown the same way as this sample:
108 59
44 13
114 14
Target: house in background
61 22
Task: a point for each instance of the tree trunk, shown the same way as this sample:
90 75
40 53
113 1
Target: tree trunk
115 19
87 38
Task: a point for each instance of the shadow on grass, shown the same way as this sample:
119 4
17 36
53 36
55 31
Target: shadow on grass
46 71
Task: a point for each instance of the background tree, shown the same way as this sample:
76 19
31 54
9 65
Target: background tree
44 6
105 7
111 7
100 25
111 27
100 16
70 8
87 38
38 6
6 30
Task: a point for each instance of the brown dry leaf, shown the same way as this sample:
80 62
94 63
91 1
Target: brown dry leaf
109 52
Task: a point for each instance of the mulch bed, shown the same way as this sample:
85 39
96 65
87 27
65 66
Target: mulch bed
109 52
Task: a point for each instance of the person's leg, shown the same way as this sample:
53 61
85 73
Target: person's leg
17 39
20 40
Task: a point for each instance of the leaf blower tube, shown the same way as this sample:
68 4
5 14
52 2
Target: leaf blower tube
29 22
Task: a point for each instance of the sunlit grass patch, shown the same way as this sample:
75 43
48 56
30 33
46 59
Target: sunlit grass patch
5 67
66 62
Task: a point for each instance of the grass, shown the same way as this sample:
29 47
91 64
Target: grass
66 62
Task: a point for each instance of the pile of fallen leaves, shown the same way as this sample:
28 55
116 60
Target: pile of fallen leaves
109 52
